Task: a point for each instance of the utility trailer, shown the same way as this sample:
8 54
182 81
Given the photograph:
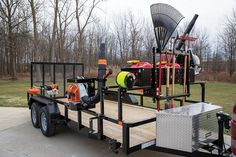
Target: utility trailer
61 94
138 128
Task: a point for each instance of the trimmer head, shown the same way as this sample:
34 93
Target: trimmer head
165 20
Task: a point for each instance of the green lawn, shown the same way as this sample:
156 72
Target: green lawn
13 93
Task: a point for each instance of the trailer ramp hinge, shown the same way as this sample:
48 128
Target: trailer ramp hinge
114 145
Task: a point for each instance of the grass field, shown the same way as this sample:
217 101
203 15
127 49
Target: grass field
13 93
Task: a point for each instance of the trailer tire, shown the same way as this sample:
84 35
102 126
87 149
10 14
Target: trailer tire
48 128
35 114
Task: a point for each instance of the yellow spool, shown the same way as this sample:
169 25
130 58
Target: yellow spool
125 79
133 61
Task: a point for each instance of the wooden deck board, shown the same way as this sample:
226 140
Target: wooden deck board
138 135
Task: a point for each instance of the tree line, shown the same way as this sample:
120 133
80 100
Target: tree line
70 31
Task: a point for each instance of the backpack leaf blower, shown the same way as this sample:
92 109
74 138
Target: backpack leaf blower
81 93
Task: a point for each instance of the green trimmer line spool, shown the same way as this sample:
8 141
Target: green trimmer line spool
125 79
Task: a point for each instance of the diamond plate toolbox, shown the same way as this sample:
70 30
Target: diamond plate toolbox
186 128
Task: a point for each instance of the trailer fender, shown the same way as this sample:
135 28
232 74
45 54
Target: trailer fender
53 110
52 106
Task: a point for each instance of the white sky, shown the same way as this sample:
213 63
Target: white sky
211 13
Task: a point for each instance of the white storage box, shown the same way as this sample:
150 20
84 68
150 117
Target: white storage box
186 128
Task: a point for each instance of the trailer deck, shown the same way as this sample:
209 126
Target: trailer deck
131 114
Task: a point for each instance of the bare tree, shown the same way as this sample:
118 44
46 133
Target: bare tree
121 32
34 6
12 14
228 40
112 49
202 47
217 60
84 16
135 28
36 55
3 55
54 31
65 17
148 40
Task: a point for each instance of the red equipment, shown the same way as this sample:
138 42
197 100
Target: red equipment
51 86
73 93
233 132
36 90
141 65
33 91
148 65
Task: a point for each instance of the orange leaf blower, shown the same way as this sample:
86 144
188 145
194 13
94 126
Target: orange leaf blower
73 93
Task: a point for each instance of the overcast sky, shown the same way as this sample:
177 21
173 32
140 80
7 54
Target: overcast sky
212 13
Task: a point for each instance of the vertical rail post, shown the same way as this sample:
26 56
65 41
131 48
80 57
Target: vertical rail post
203 91
100 119
220 135
102 62
126 135
79 119
31 75
185 77
101 73
64 79
141 100
159 79
43 78
154 73
120 107
188 72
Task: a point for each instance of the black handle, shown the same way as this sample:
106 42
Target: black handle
187 31
109 73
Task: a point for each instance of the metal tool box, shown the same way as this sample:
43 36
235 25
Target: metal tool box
186 128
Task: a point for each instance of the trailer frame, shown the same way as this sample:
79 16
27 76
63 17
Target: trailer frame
100 117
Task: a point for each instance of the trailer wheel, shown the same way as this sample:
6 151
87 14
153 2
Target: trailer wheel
35 114
47 127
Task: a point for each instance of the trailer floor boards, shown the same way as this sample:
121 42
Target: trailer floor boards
131 114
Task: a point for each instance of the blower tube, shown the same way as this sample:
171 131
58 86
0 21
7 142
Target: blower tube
102 62
187 31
